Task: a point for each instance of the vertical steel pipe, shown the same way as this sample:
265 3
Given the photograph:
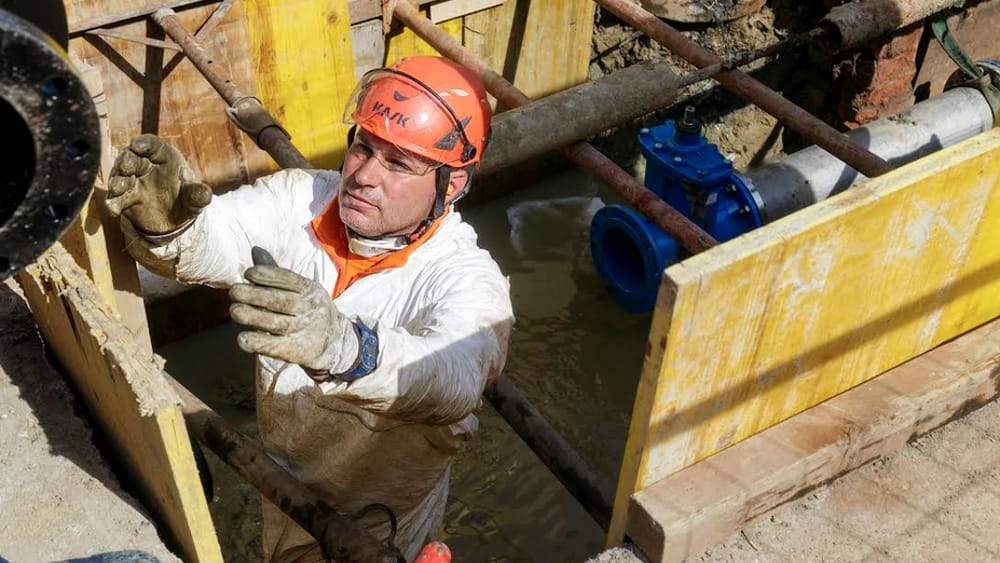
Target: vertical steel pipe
794 117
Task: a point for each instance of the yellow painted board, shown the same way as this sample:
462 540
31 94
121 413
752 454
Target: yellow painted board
126 392
402 42
541 47
304 68
94 239
758 329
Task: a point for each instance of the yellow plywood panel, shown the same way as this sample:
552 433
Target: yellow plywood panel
402 42
542 47
754 331
126 391
304 69
150 90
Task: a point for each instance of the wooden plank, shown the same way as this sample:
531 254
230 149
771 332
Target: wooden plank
678 517
305 71
364 10
517 40
128 395
794 313
152 92
84 15
451 9
94 239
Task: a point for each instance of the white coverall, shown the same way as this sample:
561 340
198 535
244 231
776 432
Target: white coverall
443 324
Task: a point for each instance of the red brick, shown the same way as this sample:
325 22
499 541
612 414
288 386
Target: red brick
895 68
906 40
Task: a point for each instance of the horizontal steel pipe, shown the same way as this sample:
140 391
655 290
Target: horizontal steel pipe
812 174
578 113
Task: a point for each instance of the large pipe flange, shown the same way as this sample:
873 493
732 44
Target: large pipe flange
52 150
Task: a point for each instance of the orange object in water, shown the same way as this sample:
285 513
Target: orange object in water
434 552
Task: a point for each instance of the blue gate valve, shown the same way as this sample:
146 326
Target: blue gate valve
690 174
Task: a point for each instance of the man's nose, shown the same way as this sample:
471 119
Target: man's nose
370 173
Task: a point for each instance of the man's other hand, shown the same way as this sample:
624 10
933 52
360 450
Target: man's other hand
293 317
153 187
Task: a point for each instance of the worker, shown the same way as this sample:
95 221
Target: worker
380 320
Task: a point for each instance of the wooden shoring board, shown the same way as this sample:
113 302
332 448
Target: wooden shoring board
150 90
677 518
126 391
754 331
402 42
95 240
304 71
541 47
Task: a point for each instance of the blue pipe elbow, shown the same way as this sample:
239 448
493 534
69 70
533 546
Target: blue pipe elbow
630 253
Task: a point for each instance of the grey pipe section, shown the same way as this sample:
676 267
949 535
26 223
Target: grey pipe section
812 174
560 119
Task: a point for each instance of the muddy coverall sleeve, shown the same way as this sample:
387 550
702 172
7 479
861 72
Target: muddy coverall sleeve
434 371
215 251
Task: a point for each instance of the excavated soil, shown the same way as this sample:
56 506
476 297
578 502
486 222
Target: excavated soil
743 132
58 496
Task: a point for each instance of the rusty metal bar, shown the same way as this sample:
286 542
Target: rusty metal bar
593 493
341 538
246 112
794 117
691 236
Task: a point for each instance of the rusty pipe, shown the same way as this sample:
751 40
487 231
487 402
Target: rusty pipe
245 111
794 117
690 236
857 23
341 538
598 105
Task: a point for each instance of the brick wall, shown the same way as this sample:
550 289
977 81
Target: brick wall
877 81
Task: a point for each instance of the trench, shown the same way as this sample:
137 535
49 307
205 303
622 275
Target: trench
574 353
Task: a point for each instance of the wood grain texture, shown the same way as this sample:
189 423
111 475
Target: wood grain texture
126 391
304 71
756 330
678 517
541 47
150 91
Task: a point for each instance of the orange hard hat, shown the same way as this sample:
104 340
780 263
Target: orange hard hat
429 106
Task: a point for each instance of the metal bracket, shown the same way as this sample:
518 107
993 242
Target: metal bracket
249 114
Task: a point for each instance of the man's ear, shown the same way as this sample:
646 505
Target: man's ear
458 182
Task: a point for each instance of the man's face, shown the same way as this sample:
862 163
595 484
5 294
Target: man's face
385 191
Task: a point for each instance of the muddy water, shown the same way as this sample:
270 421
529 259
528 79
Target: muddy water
574 353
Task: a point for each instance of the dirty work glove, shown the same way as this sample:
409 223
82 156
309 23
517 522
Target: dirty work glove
294 318
153 187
